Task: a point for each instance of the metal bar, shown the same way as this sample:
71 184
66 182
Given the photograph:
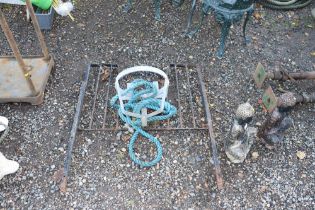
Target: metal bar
309 98
168 74
16 51
282 75
38 31
147 129
190 98
107 95
178 99
304 98
117 121
218 172
75 125
95 97
104 64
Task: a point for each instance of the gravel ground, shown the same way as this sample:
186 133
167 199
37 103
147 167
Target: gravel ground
102 175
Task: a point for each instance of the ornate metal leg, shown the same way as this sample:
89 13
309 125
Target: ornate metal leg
248 15
157 5
190 16
128 6
224 32
204 12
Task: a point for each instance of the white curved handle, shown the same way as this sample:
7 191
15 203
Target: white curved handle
163 91
141 69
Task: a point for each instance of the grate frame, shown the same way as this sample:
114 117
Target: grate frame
175 72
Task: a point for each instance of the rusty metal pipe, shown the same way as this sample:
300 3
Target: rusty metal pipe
290 99
281 75
74 129
16 51
37 30
218 173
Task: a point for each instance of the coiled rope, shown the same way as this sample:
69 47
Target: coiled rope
143 95
285 4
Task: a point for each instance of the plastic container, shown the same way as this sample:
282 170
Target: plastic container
45 20
43 4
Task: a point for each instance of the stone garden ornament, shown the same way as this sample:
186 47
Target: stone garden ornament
6 166
242 136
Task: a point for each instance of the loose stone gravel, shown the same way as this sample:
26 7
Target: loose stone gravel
102 175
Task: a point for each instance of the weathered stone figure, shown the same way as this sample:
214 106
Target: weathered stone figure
6 166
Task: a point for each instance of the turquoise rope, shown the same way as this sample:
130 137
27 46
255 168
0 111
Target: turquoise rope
136 104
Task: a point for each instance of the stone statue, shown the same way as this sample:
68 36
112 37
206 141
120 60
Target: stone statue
6 166
242 136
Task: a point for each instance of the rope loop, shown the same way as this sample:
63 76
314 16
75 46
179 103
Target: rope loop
142 95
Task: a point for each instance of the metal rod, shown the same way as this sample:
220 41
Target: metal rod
178 99
304 98
168 74
117 121
190 98
218 172
37 30
281 75
75 124
16 51
147 129
95 97
107 96
309 98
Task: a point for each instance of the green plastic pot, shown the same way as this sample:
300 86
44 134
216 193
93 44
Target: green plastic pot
43 4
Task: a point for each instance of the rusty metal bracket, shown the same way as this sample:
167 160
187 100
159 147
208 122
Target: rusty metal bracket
269 99
286 100
260 75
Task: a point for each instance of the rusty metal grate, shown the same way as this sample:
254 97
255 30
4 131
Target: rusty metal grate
186 91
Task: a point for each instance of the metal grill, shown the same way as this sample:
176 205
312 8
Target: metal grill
186 91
